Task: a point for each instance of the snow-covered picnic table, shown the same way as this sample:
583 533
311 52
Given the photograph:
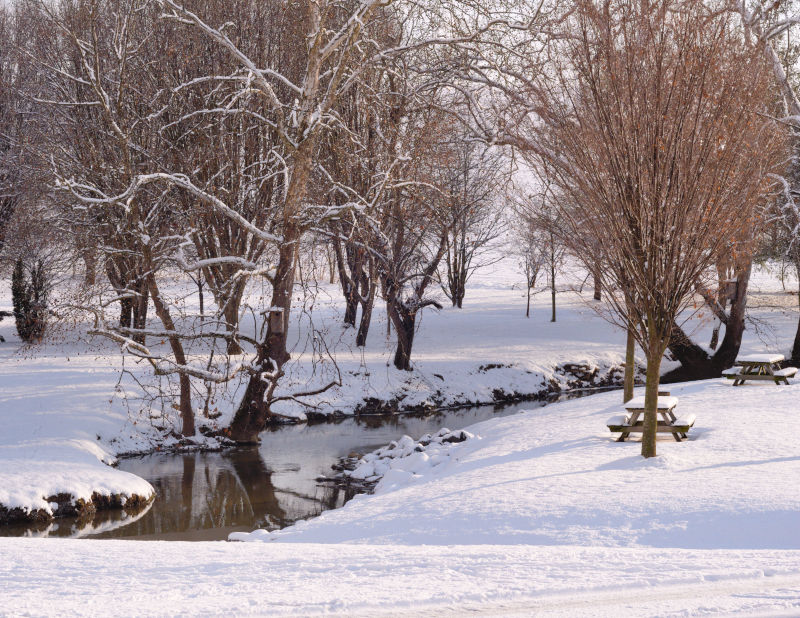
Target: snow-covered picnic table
759 367
665 407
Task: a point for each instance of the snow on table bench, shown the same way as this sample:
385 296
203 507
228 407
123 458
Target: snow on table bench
685 422
618 420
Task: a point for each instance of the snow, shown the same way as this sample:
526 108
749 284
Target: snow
52 410
543 514
149 578
63 417
663 402
539 513
405 459
759 358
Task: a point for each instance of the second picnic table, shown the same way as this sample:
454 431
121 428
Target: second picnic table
759 367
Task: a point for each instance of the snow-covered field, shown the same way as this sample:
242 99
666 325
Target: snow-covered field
538 513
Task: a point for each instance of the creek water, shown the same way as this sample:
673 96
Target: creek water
204 496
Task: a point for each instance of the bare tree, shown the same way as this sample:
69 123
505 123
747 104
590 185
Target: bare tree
335 46
765 25
539 221
672 80
237 157
412 227
474 213
13 77
530 250
99 59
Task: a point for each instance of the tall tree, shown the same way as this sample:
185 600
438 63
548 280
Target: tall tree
650 124
765 25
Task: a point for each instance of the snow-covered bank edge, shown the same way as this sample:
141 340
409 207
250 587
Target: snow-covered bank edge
396 462
417 392
68 505
448 388
97 493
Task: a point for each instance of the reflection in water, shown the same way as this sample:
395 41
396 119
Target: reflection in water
77 527
205 496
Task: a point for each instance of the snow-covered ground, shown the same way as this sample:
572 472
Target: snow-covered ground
540 512
555 476
124 578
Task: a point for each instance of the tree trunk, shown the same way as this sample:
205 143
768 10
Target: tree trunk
630 367
345 257
140 304
126 312
231 316
350 308
329 253
796 345
696 364
185 401
715 336
722 299
252 414
404 322
366 316
460 286
90 266
553 275
598 286
200 297
651 400
528 306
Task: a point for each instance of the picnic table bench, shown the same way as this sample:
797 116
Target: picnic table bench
759 367
633 422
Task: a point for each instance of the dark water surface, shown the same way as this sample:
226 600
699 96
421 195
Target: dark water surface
205 496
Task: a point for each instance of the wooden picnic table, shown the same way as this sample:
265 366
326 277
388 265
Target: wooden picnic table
633 422
759 367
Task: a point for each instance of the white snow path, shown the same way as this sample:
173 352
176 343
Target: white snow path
158 578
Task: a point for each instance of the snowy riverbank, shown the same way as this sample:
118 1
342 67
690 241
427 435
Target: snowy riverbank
540 512
556 476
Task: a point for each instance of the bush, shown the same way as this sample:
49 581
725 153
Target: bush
29 301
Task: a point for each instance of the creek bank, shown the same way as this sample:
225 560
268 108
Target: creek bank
66 505
398 462
511 385
564 378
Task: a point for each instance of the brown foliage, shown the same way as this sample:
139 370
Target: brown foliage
651 128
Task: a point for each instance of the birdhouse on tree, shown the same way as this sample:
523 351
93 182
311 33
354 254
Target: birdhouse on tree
276 321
